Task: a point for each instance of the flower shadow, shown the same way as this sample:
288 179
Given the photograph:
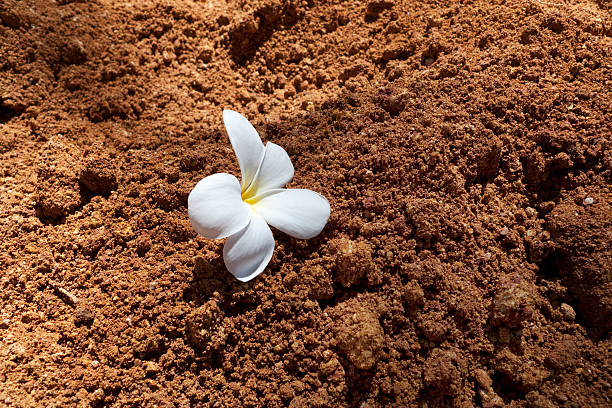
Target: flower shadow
211 279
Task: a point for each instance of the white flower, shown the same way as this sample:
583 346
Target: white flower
221 207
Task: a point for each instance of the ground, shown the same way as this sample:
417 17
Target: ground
466 152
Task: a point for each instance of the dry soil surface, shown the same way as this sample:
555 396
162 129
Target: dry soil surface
465 149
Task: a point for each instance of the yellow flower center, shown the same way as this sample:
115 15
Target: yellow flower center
248 194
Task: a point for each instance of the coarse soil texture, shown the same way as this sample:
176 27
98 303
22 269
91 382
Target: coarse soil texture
465 149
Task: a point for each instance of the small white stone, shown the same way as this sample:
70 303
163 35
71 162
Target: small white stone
588 201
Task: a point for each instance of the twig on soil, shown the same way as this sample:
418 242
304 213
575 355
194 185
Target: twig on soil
62 293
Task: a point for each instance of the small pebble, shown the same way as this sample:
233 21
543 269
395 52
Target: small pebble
588 201
568 312
95 364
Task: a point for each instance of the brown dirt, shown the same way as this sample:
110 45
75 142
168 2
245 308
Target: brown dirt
466 151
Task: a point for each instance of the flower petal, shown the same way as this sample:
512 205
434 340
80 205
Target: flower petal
246 143
275 171
299 213
247 253
215 207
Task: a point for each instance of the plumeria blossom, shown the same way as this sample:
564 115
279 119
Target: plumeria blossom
222 207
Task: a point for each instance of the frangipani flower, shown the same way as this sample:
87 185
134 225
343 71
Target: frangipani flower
221 207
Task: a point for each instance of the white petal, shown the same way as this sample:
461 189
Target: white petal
215 207
299 213
275 171
247 253
246 143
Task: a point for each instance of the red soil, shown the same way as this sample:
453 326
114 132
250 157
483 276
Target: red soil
457 144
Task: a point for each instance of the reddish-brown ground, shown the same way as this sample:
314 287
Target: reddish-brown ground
465 149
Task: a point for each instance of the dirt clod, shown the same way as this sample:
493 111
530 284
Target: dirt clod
514 302
203 323
413 295
57 194
375 7
98 175
353 259
358 331
444 371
